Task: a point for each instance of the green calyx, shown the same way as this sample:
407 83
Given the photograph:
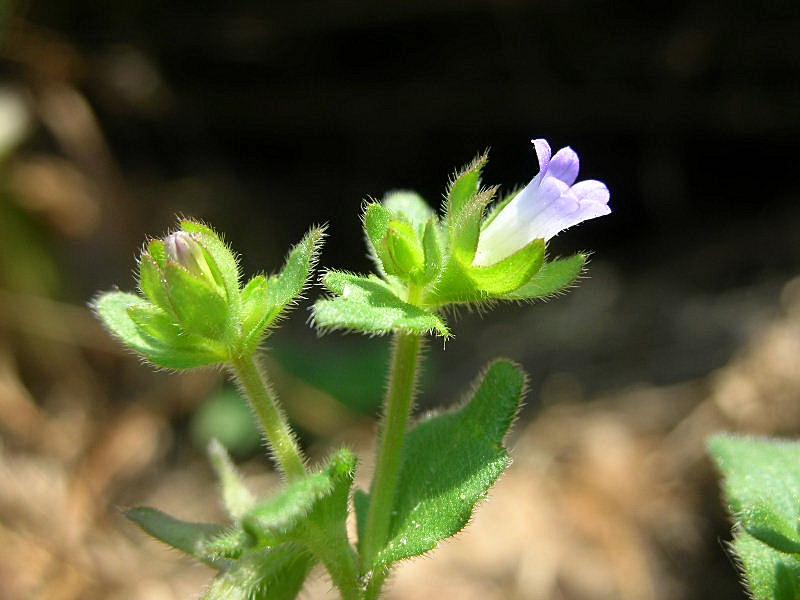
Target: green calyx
426 263
193 310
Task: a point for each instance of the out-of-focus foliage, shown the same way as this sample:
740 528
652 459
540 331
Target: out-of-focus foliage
762 487
225 416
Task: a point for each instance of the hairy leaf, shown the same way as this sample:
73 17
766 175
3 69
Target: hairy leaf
369 305
464 186
113 310
181 535
271 574
554 277
449 463
272 521
762 489
286 287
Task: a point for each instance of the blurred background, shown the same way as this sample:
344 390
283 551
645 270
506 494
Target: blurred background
263 117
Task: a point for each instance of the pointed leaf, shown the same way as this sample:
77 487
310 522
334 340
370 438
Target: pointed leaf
236 497
271 574
181 535
369 305
553 278
449 463
762 489
464 187
464 227
113 310
286 287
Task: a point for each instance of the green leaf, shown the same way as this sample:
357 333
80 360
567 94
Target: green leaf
113 309
271 574
553 278
286 287
158 252
411 207
449 463
198 307
223 260
376 223
766 525
762 489
236 497
324 530
255 311
465 186
313 512
369 305
181 535
464 227
272 521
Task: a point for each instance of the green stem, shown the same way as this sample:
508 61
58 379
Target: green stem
279 435
397 409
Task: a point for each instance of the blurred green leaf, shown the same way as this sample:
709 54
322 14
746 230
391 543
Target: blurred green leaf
226 416
235 495
181 535
762 488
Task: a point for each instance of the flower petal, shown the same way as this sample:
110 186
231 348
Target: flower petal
564 165
543 153
591 190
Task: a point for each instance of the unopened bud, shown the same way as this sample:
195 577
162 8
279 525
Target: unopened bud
185 250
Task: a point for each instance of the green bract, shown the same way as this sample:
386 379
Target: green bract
426 264
193 311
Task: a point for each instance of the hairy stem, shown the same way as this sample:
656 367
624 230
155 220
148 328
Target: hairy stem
280 437
399 398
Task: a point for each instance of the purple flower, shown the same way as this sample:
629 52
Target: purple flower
549 204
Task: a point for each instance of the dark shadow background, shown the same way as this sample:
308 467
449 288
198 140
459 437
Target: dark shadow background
264 117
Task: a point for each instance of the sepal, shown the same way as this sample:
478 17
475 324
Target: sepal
555 277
